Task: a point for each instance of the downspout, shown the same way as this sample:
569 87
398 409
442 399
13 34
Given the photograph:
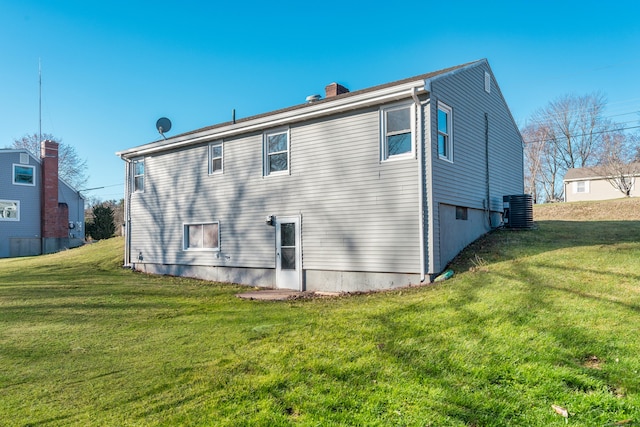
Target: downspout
486 154
421 186
127 213
431 206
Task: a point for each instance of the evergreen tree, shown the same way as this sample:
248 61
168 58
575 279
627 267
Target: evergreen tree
103 225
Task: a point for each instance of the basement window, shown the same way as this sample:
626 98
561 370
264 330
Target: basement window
9 210
201 237
24 175
461 213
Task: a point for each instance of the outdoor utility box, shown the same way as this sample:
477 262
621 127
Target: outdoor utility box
518 211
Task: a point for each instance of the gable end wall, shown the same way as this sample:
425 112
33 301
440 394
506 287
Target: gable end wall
464 182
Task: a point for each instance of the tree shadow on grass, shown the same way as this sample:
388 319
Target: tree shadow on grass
509 244
523 328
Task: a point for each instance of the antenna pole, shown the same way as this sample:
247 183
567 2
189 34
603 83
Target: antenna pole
40 99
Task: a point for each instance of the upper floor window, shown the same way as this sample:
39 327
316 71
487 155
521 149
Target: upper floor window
202 237
215 157
276 152
397 131
9 210
138 175
24 175
445 136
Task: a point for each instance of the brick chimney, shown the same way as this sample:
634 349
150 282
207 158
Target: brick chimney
54 216
334 89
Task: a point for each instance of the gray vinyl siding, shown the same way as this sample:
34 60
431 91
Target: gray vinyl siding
464 182
29 198
358 213
75 203
361 213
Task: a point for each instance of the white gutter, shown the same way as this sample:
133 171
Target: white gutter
421 186
286 117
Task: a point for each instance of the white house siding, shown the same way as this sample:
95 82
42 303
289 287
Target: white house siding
358 214
464 182
20 237
595 189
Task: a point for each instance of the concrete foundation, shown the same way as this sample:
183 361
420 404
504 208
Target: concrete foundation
314 280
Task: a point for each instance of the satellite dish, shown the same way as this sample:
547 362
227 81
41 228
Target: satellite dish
163 125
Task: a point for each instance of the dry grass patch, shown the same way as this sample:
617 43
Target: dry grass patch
626 209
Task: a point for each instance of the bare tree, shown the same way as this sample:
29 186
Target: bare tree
618 162
575 124
534 140
71 167
542 169
567 133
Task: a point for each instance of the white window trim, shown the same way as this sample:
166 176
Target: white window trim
185 234
221 170
384 155
134 176
265 150
576 189
13 175
17 218
444 107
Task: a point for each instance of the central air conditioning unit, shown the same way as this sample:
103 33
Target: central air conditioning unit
518 211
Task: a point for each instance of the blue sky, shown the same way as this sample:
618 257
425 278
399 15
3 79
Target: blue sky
111 69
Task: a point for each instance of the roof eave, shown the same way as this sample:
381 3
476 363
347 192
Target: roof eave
306 112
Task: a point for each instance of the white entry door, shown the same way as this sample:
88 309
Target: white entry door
288 253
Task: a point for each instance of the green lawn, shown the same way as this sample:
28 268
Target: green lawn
531 319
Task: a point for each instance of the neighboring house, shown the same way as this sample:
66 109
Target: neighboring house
583 184
372 189
39 213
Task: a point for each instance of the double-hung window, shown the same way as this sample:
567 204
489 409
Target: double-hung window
201 237
138 175
215 157
276 152
397 131
581 186
24 175
445 136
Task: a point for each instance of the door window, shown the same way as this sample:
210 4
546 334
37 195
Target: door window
288 246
